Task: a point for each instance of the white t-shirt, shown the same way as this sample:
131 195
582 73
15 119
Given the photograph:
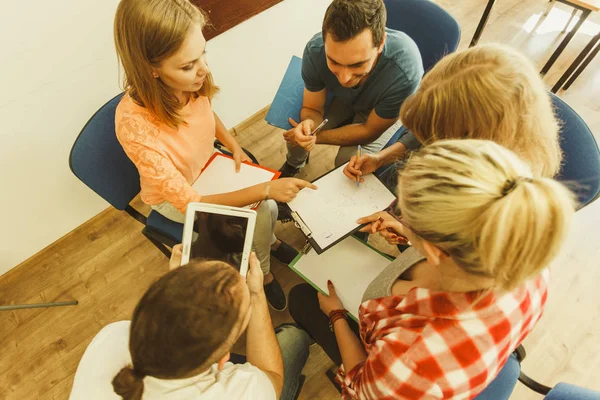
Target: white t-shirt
109 352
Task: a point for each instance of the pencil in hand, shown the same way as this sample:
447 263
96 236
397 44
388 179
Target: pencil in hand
318 128
358 154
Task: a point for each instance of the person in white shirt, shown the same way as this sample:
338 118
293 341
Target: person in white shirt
177 345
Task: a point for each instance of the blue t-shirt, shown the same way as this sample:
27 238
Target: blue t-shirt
396 75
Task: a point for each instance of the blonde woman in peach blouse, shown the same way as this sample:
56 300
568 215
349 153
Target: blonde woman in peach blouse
167 127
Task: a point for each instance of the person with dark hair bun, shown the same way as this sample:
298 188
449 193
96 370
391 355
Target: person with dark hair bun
178 342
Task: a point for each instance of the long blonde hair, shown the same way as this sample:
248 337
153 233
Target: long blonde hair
481 203
487 92
146 33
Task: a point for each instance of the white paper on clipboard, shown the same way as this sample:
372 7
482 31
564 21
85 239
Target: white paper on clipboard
331 212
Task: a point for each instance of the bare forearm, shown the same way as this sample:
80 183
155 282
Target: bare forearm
348 135
262 349
351 348
223 135
309 113
228 141
239 198
391 154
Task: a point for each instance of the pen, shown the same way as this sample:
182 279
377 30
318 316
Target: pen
381 221
358 154
318 128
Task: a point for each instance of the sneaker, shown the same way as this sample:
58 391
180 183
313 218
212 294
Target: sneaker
288 171
275 295
285 253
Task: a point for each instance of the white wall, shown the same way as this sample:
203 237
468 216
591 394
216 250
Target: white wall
58 66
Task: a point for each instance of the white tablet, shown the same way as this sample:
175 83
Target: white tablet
216 232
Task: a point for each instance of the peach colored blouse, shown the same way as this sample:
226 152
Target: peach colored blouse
168 160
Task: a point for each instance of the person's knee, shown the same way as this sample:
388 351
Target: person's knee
298 298
263 209
273 210
293 341
264 217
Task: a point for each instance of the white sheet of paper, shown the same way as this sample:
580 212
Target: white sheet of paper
351 266
220 177
331 211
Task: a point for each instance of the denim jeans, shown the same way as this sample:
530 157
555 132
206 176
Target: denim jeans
294 344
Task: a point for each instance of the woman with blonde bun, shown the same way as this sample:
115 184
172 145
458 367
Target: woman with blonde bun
441 320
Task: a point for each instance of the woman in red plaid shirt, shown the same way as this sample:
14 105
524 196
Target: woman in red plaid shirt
441 321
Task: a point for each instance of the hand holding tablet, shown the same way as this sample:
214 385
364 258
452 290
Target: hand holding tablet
217 232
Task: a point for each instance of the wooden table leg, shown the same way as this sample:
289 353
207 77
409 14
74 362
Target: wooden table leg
482 22
565 42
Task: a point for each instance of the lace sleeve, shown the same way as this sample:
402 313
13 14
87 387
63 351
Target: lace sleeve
138 138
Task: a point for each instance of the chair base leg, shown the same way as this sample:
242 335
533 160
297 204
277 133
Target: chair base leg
163 249
533 385
331 376
38 305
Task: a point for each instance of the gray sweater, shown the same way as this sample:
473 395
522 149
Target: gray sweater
382 284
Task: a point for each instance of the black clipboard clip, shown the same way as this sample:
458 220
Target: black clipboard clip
299 223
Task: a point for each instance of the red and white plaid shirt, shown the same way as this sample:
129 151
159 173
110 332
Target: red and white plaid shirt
440 345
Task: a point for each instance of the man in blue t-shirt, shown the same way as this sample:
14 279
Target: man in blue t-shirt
368 69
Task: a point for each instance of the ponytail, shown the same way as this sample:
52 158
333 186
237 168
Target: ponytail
480 203
522 230
128 384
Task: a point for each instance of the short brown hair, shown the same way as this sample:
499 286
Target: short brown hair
186 321
345 19
146 33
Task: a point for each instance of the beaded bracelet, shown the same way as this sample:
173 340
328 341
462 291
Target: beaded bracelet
335 315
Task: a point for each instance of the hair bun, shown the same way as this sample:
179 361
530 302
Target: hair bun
511 184
129 384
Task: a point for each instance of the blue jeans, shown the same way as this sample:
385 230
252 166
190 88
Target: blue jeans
294 344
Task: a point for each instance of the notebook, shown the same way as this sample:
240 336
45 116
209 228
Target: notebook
219 176
329 214
351 265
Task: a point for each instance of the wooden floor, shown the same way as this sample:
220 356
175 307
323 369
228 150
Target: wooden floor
107 264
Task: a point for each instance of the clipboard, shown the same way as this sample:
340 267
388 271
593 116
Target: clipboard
350 260
333 214
226 180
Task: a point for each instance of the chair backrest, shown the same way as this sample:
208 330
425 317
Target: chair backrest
581 164
566 391
435 32
503 385
99 161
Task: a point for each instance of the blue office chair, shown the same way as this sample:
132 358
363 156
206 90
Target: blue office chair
434 30
581 163
99 161
502 387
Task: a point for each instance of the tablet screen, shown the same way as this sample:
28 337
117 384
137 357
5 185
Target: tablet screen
219 237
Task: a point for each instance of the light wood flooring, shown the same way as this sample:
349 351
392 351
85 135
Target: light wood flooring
106 264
